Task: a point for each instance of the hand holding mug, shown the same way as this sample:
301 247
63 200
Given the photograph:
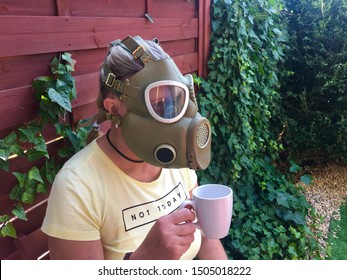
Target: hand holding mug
213 204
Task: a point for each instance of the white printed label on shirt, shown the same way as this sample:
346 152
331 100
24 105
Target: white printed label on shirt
145 213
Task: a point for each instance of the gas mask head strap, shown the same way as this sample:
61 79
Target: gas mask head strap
137 51
121 89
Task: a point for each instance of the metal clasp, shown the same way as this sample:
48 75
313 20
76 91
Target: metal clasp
110 79
139 49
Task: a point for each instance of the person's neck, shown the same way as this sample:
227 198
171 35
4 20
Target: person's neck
143 172
119 151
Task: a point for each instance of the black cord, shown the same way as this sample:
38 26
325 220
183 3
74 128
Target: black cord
119 152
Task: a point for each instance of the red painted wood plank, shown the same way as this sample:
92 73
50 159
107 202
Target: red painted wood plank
7 204
101 8
20 71
187 63
204 36
8 249
179 47
17 106
35 217
122 8
14 255
32 35
18 25
84 111
88 61
27 7
87 87
177 8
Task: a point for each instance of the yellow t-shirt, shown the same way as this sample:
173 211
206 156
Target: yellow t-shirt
93 199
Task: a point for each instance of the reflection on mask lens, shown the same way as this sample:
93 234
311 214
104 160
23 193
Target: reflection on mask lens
167 101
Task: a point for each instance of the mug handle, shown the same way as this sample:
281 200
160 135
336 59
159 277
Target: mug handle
190 202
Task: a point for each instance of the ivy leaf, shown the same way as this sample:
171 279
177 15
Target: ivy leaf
21 178
215 25
16 192
16 149
8 140
282 199
294 168
19 212
54 64
306 179
295 217
4 218
67 57
57 97
41 146
33 154
34 174
64 152
50 169
27 134
73 90
61 84
41 188
4 154
8 230
58 68
296 233
8 145
4 165
44 79
292 250
28 196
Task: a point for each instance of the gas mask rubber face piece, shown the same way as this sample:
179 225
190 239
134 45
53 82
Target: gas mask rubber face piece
162 125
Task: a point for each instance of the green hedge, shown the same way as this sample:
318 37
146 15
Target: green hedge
315 94
240 96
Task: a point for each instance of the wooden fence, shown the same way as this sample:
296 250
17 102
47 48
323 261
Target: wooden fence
32 32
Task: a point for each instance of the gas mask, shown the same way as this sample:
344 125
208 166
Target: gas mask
162 125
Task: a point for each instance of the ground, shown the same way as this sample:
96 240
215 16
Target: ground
326 195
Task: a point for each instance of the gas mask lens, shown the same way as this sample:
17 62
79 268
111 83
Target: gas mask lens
167 100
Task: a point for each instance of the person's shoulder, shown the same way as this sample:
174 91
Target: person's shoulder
82 157
78 168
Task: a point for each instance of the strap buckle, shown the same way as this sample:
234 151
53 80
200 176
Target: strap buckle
110 79
138 52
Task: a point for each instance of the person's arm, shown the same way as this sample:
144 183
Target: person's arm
61 249
211 250
169 238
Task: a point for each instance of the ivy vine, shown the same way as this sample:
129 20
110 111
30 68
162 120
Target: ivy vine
240 96
54 94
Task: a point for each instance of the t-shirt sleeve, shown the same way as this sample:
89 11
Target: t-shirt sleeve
70 213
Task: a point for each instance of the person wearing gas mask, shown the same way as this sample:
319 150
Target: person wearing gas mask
119 197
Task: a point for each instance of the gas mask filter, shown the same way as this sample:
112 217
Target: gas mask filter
162 125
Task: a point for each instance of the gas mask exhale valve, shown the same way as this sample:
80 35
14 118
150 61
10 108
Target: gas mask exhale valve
162 125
